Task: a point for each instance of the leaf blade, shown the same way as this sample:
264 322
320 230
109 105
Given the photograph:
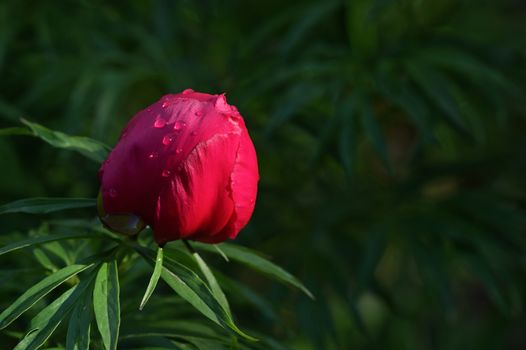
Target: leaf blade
42 205
37 292
43 239
95 150
258 263
47 320
154 279
78 336
106 304
189 286
212 282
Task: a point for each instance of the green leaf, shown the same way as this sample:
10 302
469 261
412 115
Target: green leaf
44 239
154 278
43 316
255 261
404 96
223 255
45 323
62 251
15 131
212 282
246 294
78 337
137 327
205 344
46 205
469 65
189 286
288 105
90 148
47 320
37 292
106 304
44 260
438 90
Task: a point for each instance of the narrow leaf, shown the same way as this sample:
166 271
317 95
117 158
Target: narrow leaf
44 239
78 337
46 205
407 99
438 90
46 321
106 304
44 260
37 292
90 148
42 321
189 286
255 261
45 314
223 255
212 282
15 131
154 278
463 62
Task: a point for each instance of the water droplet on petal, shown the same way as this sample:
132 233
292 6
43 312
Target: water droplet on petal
179 125
159 123
165 104
153 155
168 139
198 113
112 192
166 173
187 91
179 150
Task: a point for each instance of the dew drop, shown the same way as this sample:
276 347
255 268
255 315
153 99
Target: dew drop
113 192
198 113
159 123
153 155
166 173
165 104
187 91
179 150
179 125
168 139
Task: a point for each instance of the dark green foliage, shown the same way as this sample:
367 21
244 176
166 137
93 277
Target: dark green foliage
390 136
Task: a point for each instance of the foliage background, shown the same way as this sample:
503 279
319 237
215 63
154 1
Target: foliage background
390 135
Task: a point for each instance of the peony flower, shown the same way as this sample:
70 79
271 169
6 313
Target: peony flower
186 166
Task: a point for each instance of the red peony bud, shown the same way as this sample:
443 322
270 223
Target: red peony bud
186 166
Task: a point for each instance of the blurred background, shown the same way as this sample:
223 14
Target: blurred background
390 135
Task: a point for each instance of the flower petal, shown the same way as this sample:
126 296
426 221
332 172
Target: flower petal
197 200
243 185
